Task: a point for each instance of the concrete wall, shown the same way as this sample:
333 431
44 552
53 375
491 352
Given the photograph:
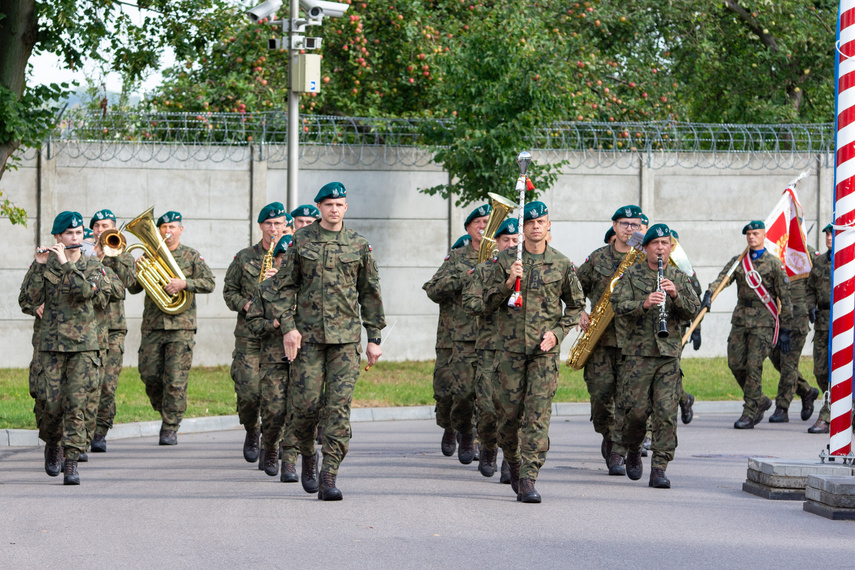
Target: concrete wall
410 232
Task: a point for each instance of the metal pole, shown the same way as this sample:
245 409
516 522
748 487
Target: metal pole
293 115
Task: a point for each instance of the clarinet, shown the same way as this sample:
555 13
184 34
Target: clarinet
663 316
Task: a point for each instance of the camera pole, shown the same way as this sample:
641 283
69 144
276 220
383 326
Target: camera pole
293 115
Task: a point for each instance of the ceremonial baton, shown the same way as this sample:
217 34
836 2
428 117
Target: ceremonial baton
367 368
718 290
523 160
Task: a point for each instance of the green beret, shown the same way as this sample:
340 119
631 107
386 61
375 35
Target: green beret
289 219
509 227
168 217
478 212
65 220
645 220
331 190
272 210
282 245
656 231
306 211
87 233
609 235
462 241
828 228
630 211
102 215
534 210
755 225
674 234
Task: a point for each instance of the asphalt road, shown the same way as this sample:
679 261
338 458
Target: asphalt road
199 505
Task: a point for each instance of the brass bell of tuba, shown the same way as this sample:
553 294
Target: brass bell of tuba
501 207
156 267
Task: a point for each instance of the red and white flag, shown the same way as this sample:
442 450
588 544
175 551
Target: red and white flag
785 235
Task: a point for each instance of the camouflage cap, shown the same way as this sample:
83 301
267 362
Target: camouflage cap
509 227
630 211
270 211
306 211
753 225
462 241
102 215
168 217
534 210
282 245
827 229
656 231
610 233
65 220
331 190
478 212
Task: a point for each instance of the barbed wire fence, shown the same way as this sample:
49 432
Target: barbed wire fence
332 140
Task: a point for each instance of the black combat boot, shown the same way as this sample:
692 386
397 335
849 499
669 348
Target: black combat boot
686 412
328 491
762 407
466 451
168 437
658 480
807 404
271 462
744 422
634 465
781 416
448 443
99 444
251 445
53 460
616 464
289 473
514 472
505 475
528 494
70 474
309 476
487 461
83 458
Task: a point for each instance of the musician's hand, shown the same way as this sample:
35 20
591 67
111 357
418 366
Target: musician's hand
98 251
373 352
246 307
696 339
275 323
784 341
59 250
175 285
707 302
41 257
669 287
40 311
655 298
584 321
292 341
549 341
270 272
516 272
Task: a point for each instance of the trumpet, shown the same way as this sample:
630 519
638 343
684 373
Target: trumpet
662 332
112 242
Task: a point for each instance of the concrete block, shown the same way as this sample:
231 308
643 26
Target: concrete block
571 409
591 195
19 186
19 243
830 499
127 431
198 425
796 467
777 481
843 484
772 493
832 513
22 437
403 413
405 243
361 414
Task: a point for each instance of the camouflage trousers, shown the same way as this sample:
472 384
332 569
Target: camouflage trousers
523 388
165 358
67 382
274 380
245 375
792 382
38 401
109 382
820 369
442 381
322 380
464 365
487 421
601 376
647 389
747 348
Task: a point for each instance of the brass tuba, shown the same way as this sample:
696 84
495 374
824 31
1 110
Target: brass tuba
156 266
501 207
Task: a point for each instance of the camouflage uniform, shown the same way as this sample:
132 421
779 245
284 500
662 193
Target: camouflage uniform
331 278
273 372
792 382
524 377
239 287
753 327
442 374
819 296
68 346
447 284
166 348
650 368
33 280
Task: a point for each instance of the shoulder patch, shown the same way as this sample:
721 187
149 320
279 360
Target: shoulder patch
369 247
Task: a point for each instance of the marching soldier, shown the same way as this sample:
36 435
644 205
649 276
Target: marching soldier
756 325
447 286
331 279
242 278
304 215
650 369
601 369
66 282
166 348
819 311
688 400
525 371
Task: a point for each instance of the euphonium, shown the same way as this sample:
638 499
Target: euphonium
156 267
501 207
267 260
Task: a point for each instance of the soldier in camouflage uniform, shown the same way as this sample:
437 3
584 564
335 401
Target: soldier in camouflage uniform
601 368
488 339
819 311
330 279
447 286
166 348
304 215
525 370
650 368
66 282
238 289
752 325
443 378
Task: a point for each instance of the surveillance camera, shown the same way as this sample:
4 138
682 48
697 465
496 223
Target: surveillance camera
264 10
317 9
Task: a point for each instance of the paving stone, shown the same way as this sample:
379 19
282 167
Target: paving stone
797 468
777 481
772 493
834 485
830 499
833 513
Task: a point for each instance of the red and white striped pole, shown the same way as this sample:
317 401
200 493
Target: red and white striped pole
843 249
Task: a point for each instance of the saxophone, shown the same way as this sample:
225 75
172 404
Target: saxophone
267 260
601 315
